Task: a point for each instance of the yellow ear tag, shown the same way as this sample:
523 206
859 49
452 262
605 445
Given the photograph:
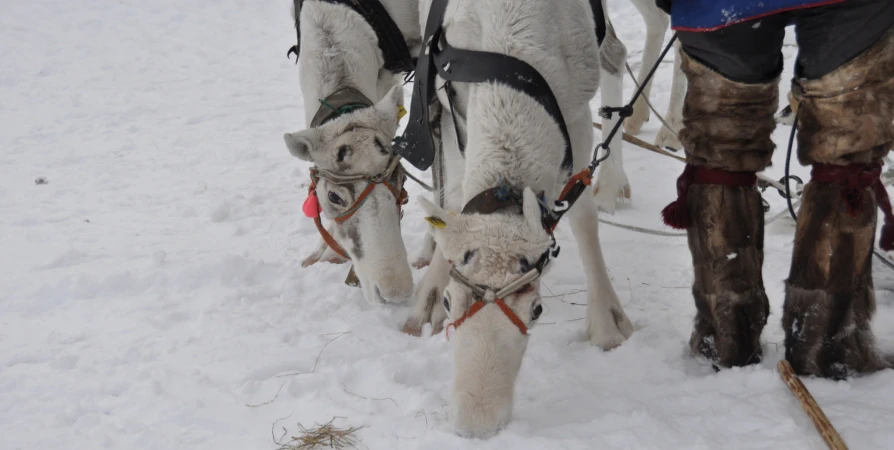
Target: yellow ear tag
401 112
435 222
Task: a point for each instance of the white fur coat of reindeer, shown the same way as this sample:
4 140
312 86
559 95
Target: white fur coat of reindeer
512 141
339 49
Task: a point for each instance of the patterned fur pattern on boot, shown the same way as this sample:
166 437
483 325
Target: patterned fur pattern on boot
726 238
845 118
727 126
829 296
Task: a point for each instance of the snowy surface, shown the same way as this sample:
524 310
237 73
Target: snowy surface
152 289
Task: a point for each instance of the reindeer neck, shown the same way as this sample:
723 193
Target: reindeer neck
500 157
339 50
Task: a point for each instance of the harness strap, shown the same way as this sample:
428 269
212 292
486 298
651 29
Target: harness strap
573 189
676 215
338 103
439 58
479 304
296 49
854 179
401 196
599 19
469 66
329 240
312 208
494 199
417 144
391 39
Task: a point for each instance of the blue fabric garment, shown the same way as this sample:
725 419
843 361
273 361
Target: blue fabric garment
710 15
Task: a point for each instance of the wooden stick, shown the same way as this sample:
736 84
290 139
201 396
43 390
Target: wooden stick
654 148
645 145
813 410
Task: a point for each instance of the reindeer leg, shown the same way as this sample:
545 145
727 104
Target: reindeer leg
611 184
323 254
428 307
656 25
607 324
674 116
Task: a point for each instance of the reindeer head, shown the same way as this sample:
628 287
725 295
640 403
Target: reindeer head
489 252
356 147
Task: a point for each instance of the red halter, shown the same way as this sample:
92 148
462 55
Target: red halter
312 208
485 296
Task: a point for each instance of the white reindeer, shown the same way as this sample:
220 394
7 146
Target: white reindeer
339 50
512 141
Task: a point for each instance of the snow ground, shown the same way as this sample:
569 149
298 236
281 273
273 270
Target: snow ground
152 289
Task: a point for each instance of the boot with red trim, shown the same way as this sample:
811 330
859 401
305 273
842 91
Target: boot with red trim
845 128
727 127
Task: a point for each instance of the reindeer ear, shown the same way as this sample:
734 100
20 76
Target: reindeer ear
303 143
436 216
531 209
392 105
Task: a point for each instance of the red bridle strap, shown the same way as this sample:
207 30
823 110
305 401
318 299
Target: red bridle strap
401 198
329 240
480 304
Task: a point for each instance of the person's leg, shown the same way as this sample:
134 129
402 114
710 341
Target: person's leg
728 118
844 85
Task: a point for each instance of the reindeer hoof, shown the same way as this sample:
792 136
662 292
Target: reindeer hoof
667 139
640 116
606 201
310 260
413 328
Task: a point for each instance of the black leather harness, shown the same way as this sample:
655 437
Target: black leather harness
391 40
438 57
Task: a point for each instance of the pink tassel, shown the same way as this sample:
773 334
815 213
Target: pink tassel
311 205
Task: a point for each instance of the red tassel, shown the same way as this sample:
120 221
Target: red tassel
676 215
887 240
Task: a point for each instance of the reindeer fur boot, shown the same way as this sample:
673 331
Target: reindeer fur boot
726 239
845 122
727 127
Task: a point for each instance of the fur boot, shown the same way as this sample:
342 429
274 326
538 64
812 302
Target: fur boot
727 124
829 297
727 127
845 120
726 238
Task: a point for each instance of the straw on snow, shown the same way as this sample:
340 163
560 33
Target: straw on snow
322 436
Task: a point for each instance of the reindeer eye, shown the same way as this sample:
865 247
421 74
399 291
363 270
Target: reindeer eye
467 256
538 310
381 147
524 265
446 301
334 198
342 153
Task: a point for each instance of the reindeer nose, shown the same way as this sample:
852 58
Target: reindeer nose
471 419
395 289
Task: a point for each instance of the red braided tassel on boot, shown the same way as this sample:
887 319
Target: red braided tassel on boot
676 215
886 242
854 179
